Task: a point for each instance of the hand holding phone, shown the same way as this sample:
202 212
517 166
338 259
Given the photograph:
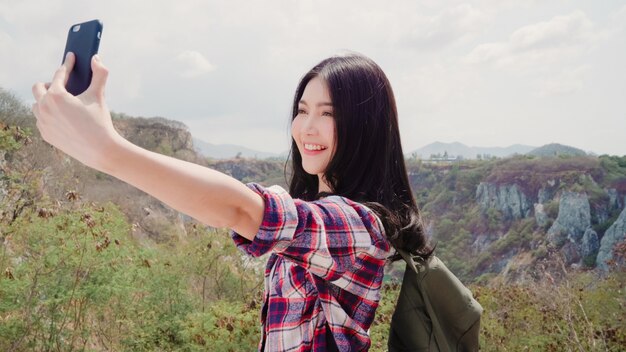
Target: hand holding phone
83 39
80 126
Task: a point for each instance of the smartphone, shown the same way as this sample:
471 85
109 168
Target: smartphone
83 39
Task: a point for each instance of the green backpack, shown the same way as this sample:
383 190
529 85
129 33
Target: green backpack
435 311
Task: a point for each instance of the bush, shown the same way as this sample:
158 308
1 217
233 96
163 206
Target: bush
224 326
75 278
581 313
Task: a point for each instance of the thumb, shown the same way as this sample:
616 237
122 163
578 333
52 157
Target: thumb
99 78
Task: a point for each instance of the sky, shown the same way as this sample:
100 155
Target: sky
489 73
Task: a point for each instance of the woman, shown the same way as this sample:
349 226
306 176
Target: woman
349 198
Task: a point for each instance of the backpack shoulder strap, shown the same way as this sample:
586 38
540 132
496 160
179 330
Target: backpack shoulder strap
421 269
409 260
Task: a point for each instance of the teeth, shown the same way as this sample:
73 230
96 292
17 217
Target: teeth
313 147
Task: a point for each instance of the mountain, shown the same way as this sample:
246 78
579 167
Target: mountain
509 218
168 136
466 152
227 151
518 227
521 216
556 149
158 134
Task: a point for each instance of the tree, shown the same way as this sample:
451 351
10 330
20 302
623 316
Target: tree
13 112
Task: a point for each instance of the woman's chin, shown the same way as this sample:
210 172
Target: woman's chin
313 171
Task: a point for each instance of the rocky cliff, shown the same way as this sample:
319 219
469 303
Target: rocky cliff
508 199
571 231
158 134
508 217
573 220
613 236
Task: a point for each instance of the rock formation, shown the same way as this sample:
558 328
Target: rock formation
508 199
614 235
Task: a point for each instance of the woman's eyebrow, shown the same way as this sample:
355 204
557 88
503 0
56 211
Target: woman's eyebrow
324 103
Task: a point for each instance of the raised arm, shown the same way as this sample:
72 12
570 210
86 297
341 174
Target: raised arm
81 127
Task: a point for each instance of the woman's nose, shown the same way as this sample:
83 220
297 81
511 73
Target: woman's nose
309 127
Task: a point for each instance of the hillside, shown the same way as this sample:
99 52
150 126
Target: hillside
487 217
556 149
153 221
89 262
513 218
466 152
509 216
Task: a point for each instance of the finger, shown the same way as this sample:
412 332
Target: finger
99 78
39 89
63 73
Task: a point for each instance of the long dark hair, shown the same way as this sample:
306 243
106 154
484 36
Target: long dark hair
368 163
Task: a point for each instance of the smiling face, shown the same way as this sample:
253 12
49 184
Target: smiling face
313 129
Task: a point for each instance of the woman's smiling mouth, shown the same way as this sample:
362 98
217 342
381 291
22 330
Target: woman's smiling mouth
313 147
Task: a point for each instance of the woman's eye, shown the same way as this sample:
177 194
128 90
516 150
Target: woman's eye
301 111
327 113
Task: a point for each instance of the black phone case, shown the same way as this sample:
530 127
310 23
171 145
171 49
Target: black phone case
83 39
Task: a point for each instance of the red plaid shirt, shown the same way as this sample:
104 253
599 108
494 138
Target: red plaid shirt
325 271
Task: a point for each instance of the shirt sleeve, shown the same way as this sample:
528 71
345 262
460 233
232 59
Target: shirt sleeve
328 237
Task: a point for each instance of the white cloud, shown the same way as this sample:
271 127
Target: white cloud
572 29
487 52
538 44
449 26
193 64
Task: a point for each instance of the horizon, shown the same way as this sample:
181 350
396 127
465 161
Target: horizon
589 153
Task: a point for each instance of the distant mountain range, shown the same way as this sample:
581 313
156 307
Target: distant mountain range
557 149
457 149
466 152
452 150
227 151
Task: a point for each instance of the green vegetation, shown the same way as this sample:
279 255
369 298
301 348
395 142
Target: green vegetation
580 313
75 274
614 171
74 279
447 197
